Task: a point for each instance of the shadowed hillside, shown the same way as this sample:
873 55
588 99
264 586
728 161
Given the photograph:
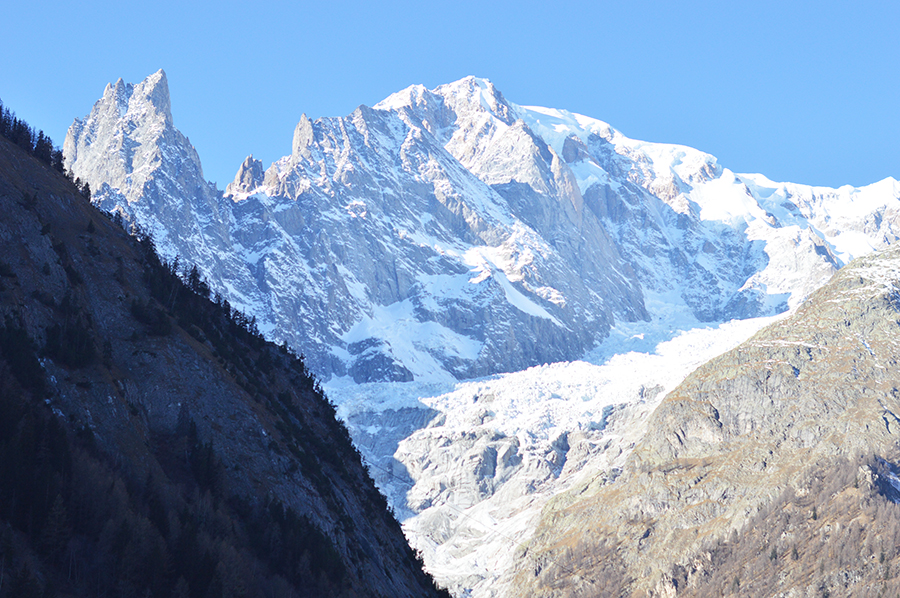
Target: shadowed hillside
151 442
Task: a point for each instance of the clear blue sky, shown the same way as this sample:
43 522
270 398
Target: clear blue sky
807 92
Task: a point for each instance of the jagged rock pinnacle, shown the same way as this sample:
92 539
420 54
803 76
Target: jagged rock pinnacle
249 176
303 137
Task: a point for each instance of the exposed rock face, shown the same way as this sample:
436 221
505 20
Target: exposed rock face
140 165
423 241
371 221
249 176
737 433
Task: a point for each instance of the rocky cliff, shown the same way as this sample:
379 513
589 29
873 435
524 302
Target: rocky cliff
448 234
369 222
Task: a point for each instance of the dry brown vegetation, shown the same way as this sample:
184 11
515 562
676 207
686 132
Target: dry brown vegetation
839 538
837 534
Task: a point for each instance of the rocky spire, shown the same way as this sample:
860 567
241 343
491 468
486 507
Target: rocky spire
303 138
128 136
249 176
155 91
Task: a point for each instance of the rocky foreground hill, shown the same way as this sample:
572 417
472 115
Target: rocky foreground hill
768 471
151 442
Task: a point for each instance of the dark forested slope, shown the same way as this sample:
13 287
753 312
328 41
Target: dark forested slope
151 442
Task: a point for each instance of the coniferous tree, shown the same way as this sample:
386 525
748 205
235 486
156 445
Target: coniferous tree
56 160
5 120
37 144
23 135
43 148
56 532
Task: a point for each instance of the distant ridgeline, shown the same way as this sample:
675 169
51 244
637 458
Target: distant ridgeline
152 443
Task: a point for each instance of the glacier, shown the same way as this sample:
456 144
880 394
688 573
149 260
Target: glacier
496 296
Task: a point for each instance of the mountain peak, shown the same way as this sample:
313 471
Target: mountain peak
408 96
118 94
467 95
249 176
155 90
303 137
476 94
481 82
115 89
128 137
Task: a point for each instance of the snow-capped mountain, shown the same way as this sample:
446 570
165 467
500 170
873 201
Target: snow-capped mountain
142 167
446 235
450 234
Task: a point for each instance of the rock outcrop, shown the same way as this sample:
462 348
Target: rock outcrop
249 176
800 397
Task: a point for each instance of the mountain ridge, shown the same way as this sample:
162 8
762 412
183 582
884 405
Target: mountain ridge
584 212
